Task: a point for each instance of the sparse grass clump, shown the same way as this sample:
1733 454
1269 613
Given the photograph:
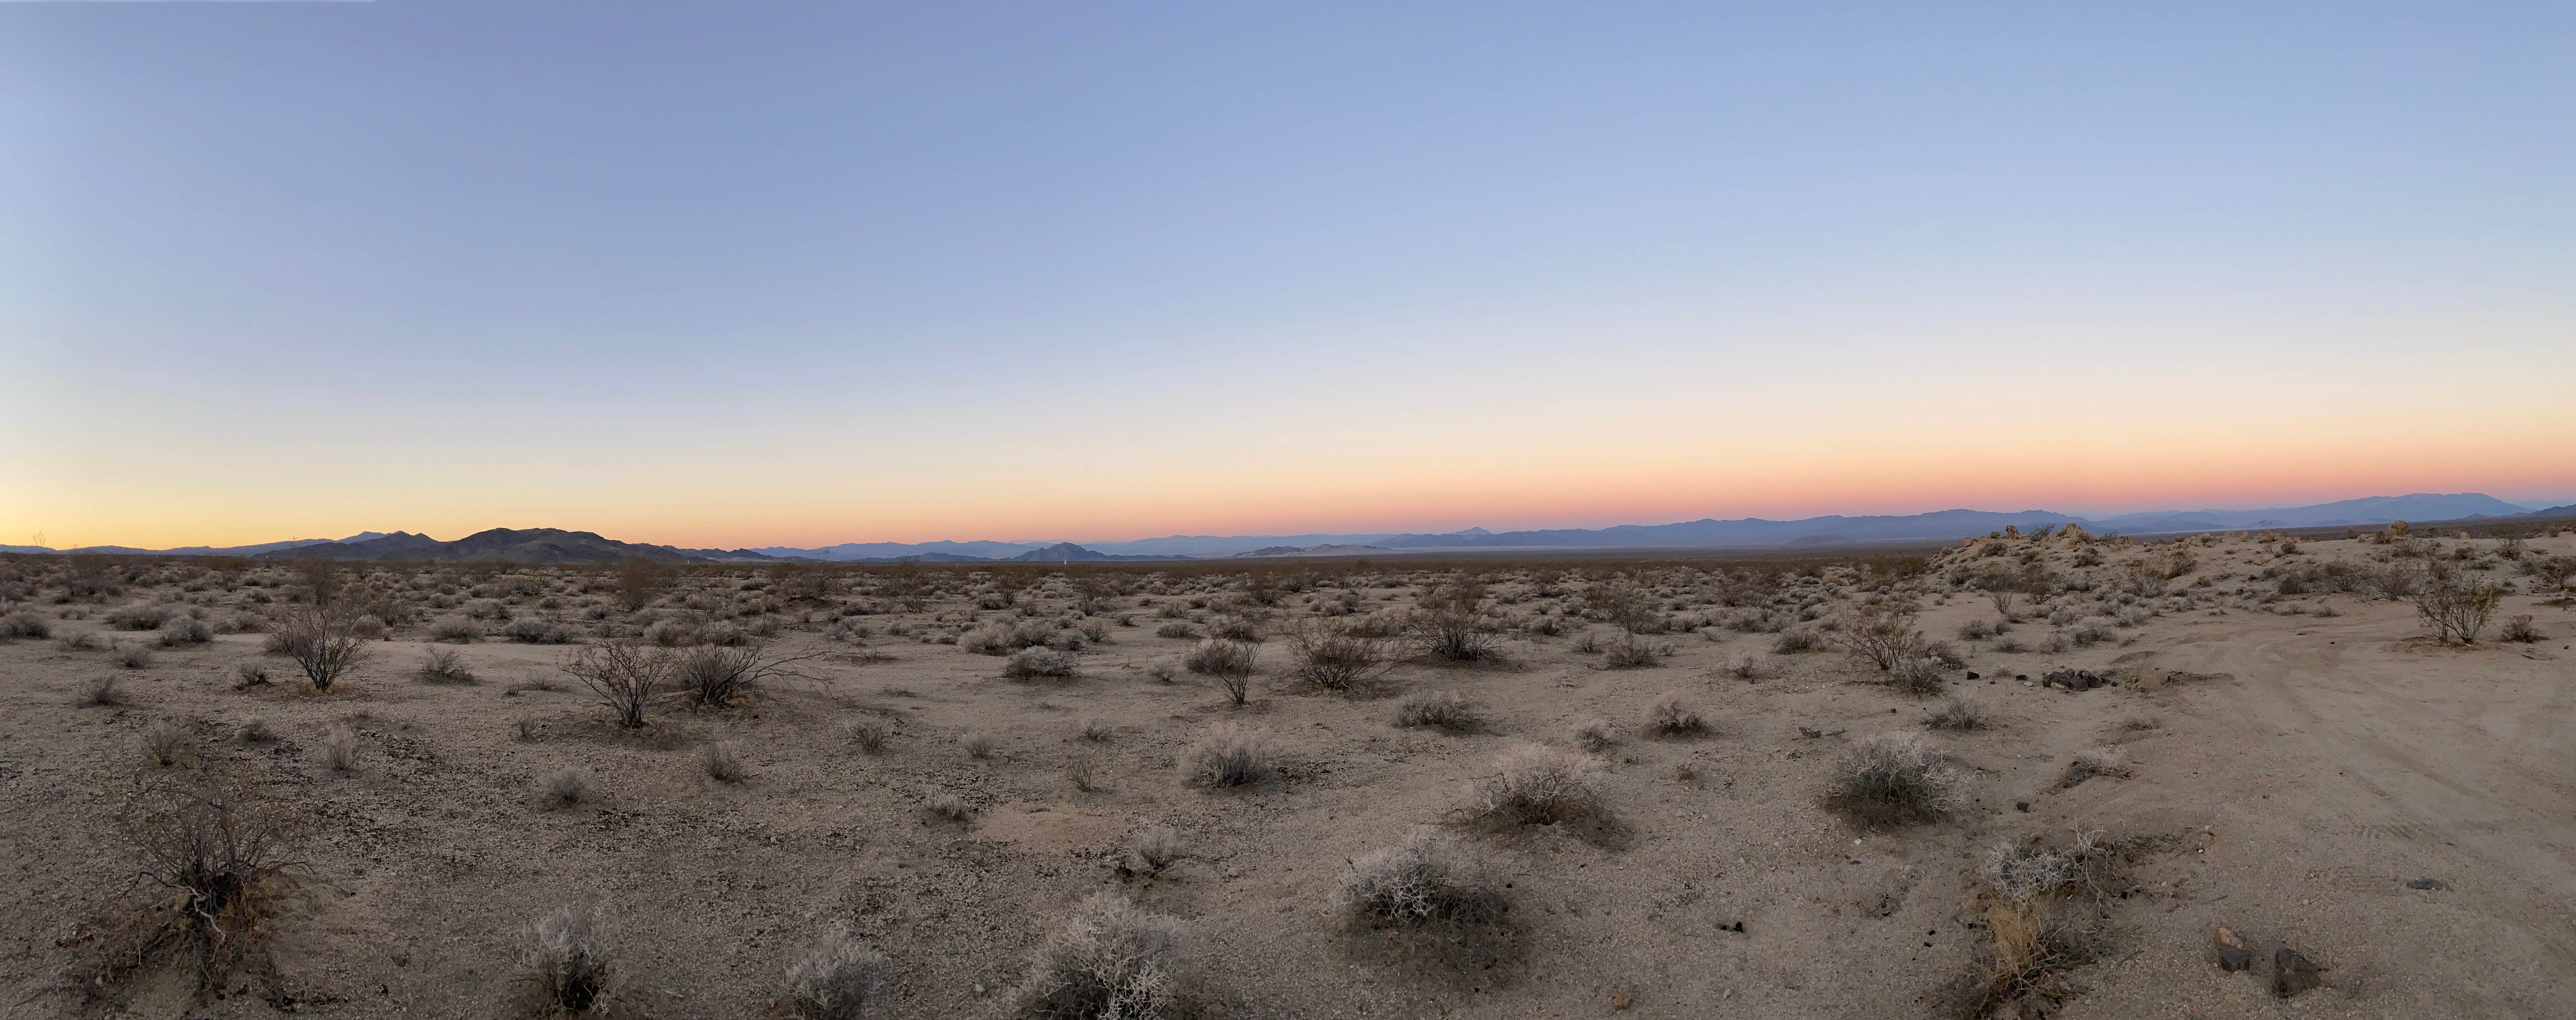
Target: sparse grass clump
131 657
834 982
1094 729
255 731
138 618
1957 713
1231 755
1893 778
1447 710
1153 849
2087 764
1595 735
1747 667
946 806
163 742
1532 784
1674 716
722 762
571 970
247 675
1176 629
977 745
568 786
871 735
102 691
536 631
443 667
340 749
1796 642
1111 959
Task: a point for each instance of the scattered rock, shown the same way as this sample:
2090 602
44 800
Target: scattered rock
2292 973
1622 1000
2074 680
2232 955
2021 805
2428 883
1972 674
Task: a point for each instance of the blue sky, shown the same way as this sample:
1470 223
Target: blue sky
951 270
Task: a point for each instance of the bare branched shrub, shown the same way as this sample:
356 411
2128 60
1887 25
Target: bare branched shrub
1532 784
1674 716
1111 959
568 785
624 677
834 982
24 625
1882 635
1447 710
1446 624
340 749
1230 755
163 742
571 969
444 667
2458 609
713 675
1153 849
1336 657
102 691
1893 778
323 641
722 761
1957 713
221 850
1221 658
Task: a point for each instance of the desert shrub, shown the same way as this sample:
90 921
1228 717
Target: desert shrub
1094 729
454 629
2457 610
1893 778
163 742
1537 785
138 618
77 642
24 625
255 730
185 630
1230 755
1595 735
222 849
1176 630
871 735
247 675
571 970
1153 849
946 806
2087 764
340 749
1795 642
2518 628
1882 635
721 761
1238 628
443 667
1111 959
1039 663
321 642
1917 675
1447 710
978 745
535 631
568 785
1332 657
1628 651
1423 882
1957 713
1674 716
1976 630
1228 661
623 677
2023 874
102 691
713 675
130 656
1746 667
833 982
1447 625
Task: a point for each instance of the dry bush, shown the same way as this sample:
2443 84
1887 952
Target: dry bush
102 691
1426 895
1094 729
1882 635
722 762
185 630
1747 667
1674 716
454 629
1110 960
2098 761
1176 629
2518 628
164 740
1447 710
1335 657
1230 755
571 970
1153 849
77 642
1220 658
444 667
323 641
977 745
1957 713
1446 624
255 730
247 675
1238 628
2021 970
1040 664
1918 675
1084 774
534 631
1534 784
131 657
834 982
713 675
24 625
1893 778
220 850
1628 651
1796 642
871 735
138 618
624 677
569 785
1595 735
340 749
946 806
2458 609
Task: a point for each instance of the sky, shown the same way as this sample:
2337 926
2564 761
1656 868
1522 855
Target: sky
721 275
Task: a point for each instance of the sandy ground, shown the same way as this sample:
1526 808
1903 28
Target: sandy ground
2289 775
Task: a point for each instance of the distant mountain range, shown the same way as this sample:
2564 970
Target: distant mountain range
551 545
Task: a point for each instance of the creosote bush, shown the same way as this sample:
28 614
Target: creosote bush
1447 710
1111 959
1231 755
1893 778
833 982
625 678
1532 784
323 641
1337 657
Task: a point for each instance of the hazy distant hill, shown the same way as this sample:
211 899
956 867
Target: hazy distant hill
532 545
196 550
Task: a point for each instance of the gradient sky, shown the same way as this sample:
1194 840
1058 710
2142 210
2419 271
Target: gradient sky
745 274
